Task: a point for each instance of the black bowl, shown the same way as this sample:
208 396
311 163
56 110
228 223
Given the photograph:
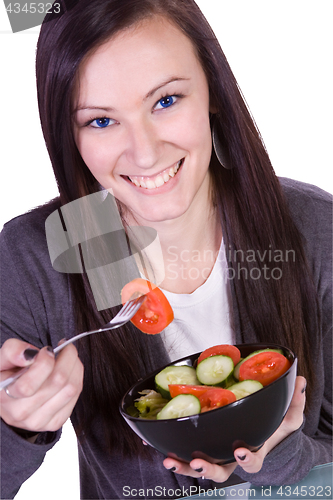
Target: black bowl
214 435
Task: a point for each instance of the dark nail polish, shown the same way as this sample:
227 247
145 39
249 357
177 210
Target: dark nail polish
199 470
172 469
50 349
304 388
30 353
243 457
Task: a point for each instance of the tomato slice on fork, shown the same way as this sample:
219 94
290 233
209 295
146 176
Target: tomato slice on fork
155 314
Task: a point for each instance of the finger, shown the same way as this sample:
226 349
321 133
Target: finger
200 468
59 418
298 400
15 353
180 468
295 414
51 415
252 462
215 472
65 364
50 407
45 389
29 383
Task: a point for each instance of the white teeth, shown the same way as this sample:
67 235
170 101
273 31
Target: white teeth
162 178
165 176
150 184
159 181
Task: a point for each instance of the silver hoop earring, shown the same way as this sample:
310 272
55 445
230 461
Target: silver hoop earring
102 192
219 151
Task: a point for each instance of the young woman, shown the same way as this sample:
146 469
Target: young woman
137 97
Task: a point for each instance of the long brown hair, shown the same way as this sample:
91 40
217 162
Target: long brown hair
254 214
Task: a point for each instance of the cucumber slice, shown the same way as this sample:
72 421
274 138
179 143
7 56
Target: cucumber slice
237 367
236 370
215 370
174 375
182 405
245 388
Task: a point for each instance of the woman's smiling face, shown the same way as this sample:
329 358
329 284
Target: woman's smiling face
141 121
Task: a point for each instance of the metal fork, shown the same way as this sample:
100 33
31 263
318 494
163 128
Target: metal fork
125 314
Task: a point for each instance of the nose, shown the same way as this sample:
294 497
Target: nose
143 144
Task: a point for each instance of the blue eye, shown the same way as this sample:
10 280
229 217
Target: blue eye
101 122
166 102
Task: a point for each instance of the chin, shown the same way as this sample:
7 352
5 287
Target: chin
159 214
161 217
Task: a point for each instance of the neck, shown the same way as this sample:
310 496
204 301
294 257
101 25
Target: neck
190 254
189 247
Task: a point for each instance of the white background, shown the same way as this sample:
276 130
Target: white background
280 52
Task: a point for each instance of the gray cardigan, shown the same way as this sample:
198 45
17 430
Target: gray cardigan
36 307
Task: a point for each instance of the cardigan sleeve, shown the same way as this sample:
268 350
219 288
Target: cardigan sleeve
292 459
20 458
22 317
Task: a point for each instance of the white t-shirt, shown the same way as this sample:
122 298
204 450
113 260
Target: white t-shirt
202 318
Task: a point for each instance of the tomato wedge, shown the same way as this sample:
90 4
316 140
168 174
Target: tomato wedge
209 397
225 349
264 367
155 314
215 397
195 390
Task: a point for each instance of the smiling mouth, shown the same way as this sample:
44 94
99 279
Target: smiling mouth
158 180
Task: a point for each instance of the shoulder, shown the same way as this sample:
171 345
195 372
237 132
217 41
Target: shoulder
23 240
311 210
27 231
36 305
300 192
310 206
34 220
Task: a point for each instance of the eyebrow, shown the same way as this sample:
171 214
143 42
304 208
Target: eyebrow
147 96
163 84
